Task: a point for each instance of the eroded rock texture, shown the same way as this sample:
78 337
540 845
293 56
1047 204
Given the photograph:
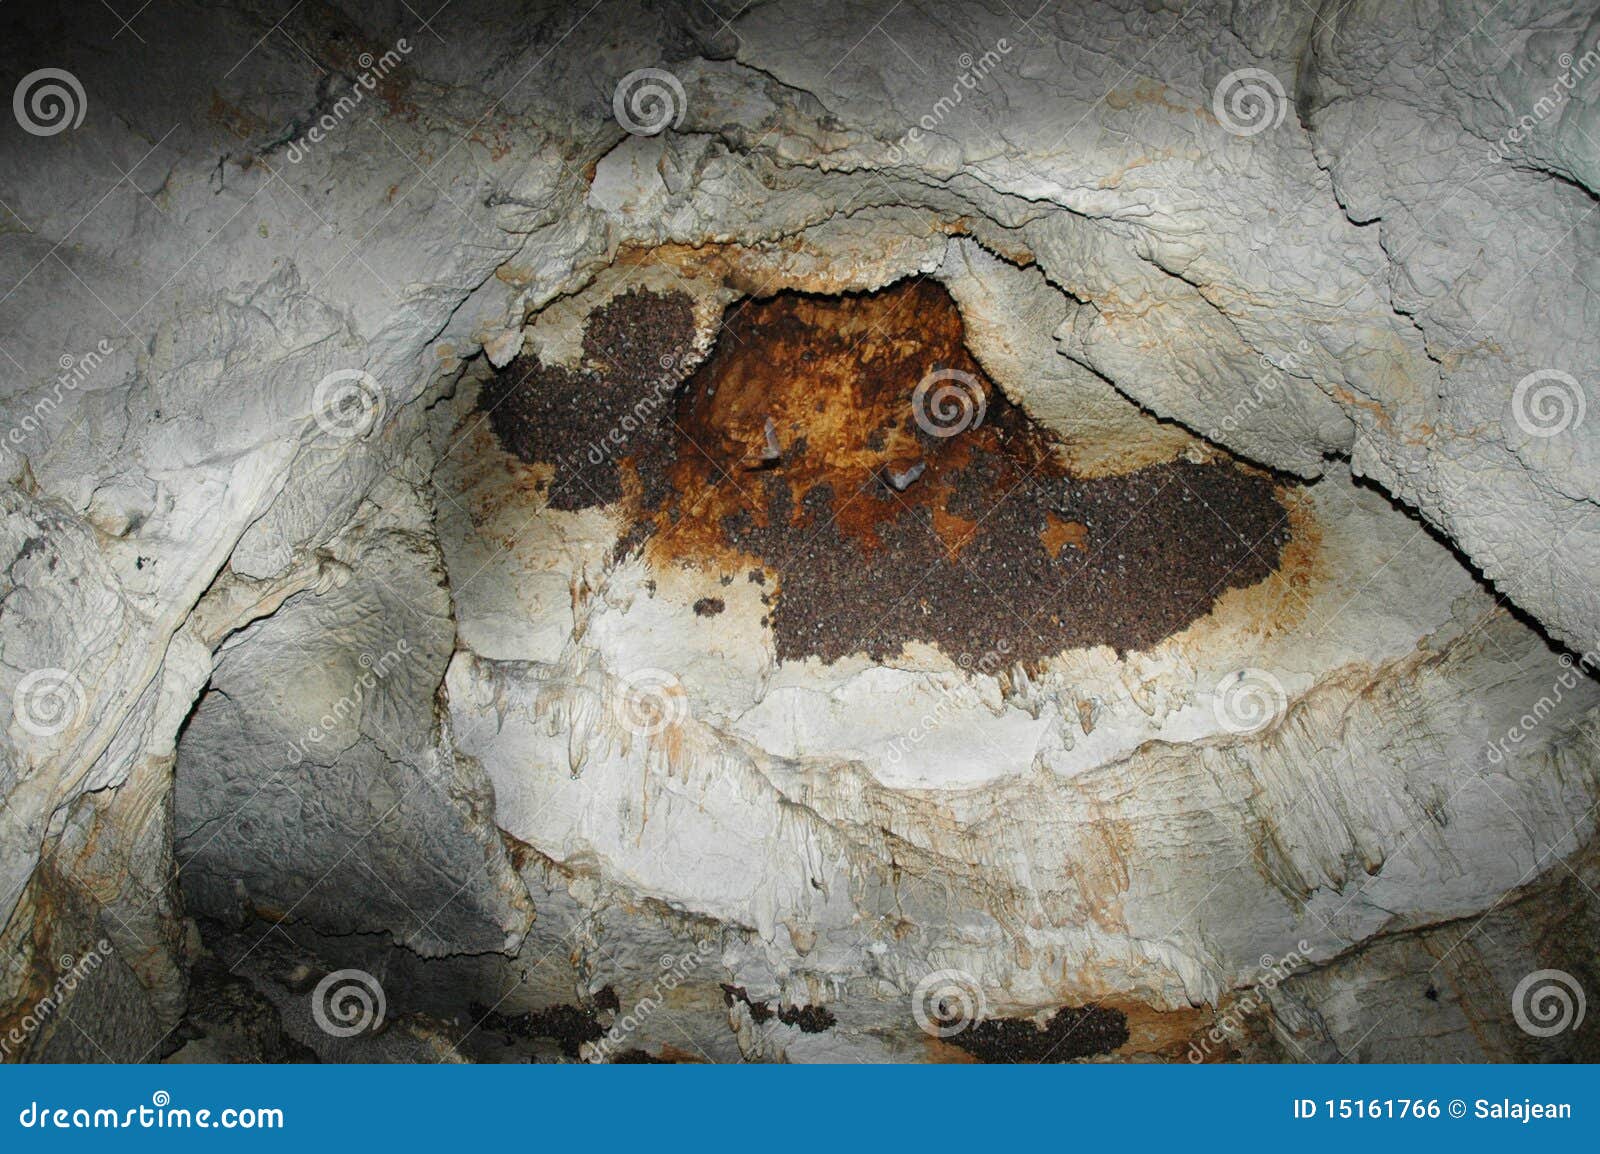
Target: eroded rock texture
333 622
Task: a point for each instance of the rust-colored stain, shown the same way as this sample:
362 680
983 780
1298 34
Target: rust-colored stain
28 938
1282 602
835 377
1058 534
854 448
1149 92
671 1053
239 121
1350 400
1171 1035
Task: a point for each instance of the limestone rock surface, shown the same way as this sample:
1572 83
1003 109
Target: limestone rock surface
291 645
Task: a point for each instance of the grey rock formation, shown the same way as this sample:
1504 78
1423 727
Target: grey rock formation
288 643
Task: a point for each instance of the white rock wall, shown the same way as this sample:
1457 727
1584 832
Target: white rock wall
189 282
